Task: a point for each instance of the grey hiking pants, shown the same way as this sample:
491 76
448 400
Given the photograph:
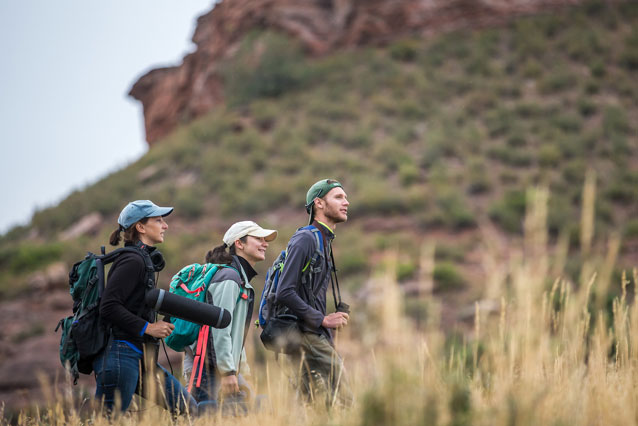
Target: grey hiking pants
320 373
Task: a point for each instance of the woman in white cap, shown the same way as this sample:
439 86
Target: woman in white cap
244 244
134 333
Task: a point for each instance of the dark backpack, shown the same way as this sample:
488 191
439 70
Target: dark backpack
267 307
84 335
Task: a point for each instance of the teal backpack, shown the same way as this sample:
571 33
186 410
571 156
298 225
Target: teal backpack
191 281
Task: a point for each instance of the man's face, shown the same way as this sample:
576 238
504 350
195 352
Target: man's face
336 205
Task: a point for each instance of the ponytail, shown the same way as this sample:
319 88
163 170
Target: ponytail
131 235
220 256
115 237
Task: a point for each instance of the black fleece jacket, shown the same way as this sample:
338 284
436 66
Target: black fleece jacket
123 305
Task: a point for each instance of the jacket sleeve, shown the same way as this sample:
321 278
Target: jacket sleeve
224 294
300 251
245 368
121 285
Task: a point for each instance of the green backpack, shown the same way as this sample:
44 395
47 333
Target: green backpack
84 335
191 281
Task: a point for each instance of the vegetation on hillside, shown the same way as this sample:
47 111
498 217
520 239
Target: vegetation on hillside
438 134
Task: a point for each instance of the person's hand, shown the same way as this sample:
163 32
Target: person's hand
230 385
159 329
335 320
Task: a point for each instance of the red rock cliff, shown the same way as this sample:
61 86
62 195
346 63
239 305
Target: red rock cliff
178 94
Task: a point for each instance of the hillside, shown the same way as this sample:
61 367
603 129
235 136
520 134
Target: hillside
436 140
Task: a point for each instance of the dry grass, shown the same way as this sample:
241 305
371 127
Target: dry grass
551 355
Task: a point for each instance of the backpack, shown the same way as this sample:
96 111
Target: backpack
84 335
191 281
267 306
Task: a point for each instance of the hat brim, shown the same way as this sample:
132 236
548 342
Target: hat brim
267 234
160 211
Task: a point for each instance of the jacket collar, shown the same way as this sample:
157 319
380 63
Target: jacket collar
238 266
327 233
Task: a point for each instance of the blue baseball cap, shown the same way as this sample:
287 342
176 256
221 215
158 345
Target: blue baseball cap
140 209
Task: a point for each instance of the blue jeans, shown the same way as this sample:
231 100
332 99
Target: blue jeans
117 373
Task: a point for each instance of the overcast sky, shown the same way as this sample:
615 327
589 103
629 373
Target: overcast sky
66 69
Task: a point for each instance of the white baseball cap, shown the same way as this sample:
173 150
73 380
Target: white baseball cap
247 227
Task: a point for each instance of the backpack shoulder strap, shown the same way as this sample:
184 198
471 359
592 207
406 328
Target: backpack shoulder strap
148 263
312 263
221 267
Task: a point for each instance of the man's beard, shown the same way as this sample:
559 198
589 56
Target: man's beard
334 216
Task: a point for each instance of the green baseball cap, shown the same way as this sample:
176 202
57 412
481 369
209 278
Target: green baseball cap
319 190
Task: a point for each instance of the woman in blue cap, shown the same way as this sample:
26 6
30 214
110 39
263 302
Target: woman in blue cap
131 354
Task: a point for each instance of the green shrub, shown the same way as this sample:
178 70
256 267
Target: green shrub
411 109
456 215
29 257
531 68
481 100
449 252
574 171
391 155
506 89
509 211
332 110
190 202
515 157
447 277
557 82
597 68
567 122
629 56
376 196
352 261
265 114
479 65
405 50
406 270
267 64
499 122
528 110
361 137
625 86
516 140
549 155
615 122
528 41
580 45
478 178
586 107
631 229
408 173
621 192
559 213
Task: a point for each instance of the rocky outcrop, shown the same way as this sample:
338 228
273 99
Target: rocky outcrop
88 225
175 95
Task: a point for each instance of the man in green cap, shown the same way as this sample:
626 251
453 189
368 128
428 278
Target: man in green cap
302 289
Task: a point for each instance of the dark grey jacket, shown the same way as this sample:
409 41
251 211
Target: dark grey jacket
308 304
